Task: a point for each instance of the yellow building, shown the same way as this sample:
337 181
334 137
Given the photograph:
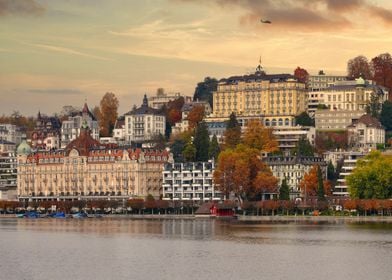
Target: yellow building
86 169
259 94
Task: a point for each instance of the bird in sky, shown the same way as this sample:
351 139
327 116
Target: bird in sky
265 21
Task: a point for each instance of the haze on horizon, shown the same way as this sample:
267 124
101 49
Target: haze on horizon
55 53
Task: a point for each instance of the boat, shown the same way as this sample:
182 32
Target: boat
80 215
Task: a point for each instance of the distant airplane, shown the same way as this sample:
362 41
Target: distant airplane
265 21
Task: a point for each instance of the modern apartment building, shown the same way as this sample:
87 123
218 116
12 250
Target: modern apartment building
8 170
335 120
349 162
161 98
189 181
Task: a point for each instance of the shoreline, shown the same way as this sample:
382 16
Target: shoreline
247 219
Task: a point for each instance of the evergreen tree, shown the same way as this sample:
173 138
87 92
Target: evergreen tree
386 115
373 108
177 150
189 152
331 171
304 119
320 185
201 142
233 132
304 148
284 192
213 150
205 89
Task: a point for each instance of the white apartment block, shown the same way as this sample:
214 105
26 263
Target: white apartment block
143 124
8 174
350 160
11 133
335 120
189 181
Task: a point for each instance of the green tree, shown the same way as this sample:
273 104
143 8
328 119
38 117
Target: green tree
232 134
284 192
304 148
189 152
331 171
372 177
373 108
201 142
386 115
304 119
177 150
213 149
320 185
205 89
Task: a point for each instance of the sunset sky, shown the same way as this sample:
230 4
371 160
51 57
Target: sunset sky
61 52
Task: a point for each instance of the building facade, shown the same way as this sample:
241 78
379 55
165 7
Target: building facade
143 124
46 135
11 133
161 98
70 128
366 133
335 120
294 168
8 170
322 81
259 94
189 181
87 170
349 96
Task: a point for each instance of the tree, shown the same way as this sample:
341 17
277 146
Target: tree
284 191
320 185
359 67
232 135
331 172
386 115
382 70
258 137
310 183
189 152
174 116
205 89
374 106
372 177
304 119
159 141
304 148
213 149
265 183
201 141
195 116
108 110
177 148
302 75
240 172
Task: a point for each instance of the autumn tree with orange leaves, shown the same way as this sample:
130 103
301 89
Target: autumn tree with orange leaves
310 182
259 137
195 116
241 172
108 113
302 75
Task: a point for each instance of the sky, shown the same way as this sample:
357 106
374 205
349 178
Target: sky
62 52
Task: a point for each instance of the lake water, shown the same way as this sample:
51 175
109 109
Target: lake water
192 249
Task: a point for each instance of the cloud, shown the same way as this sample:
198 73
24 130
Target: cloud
66 51
57 91
21 7
382 13
301 15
